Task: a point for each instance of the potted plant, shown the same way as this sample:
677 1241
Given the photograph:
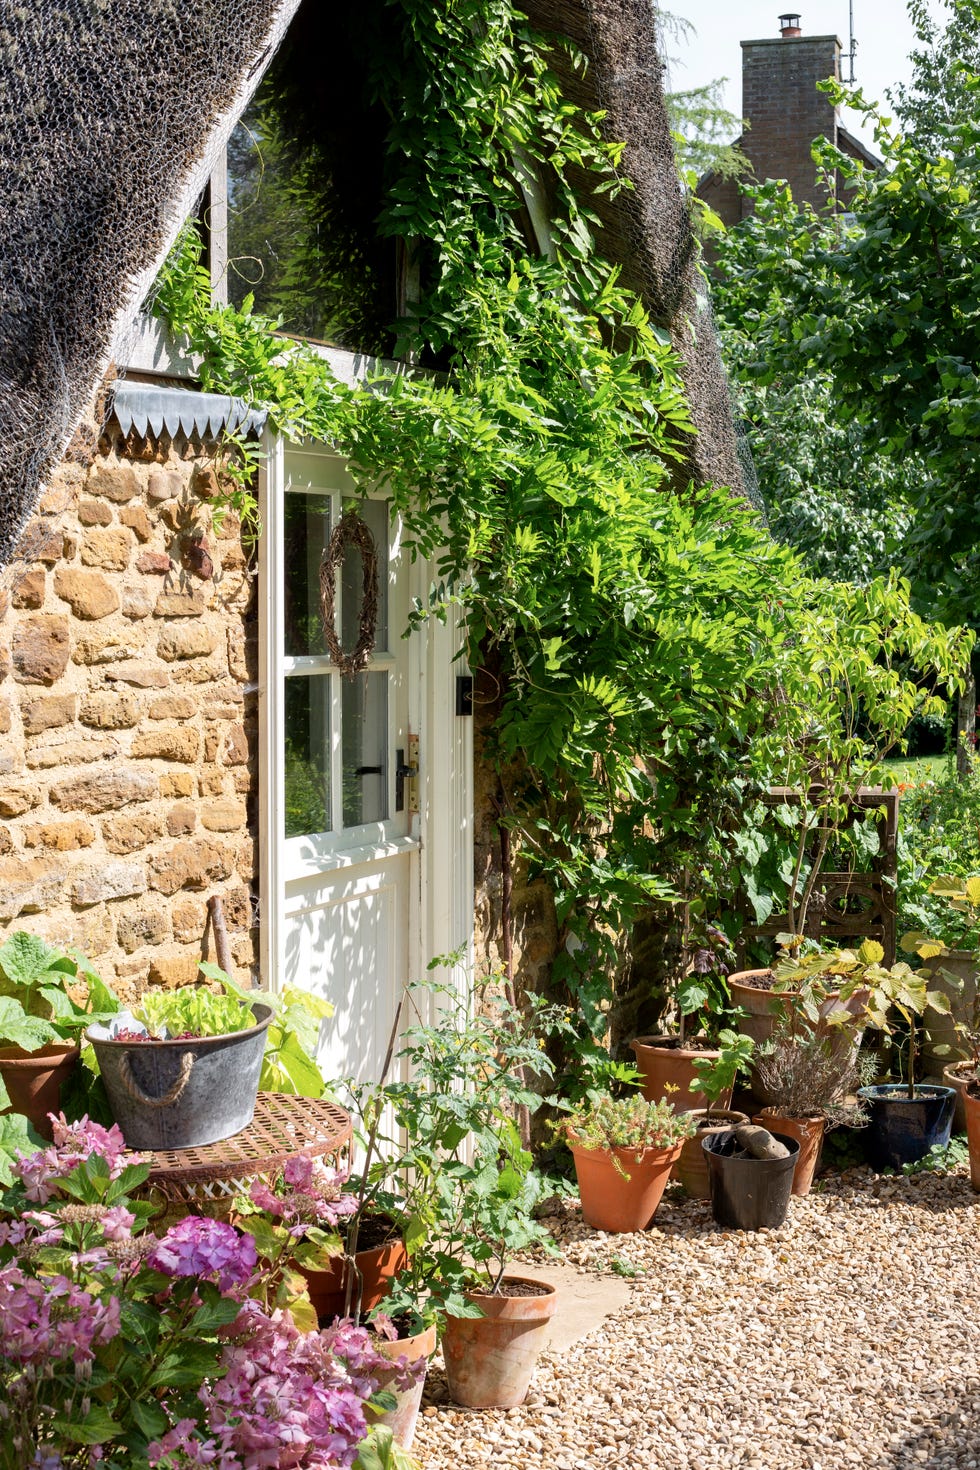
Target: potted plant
716 1077
182 1068
666 1062
806 1079
624 1149
750 1172
41 1020
953 973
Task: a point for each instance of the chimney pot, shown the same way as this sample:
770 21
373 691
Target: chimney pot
789 24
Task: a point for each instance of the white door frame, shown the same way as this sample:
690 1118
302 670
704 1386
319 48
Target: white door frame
443 906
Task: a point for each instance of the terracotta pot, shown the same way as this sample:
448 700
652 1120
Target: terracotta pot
972 1105
942 1045
959 1077
401 1420
668 1071
691 1169
621 1199
34 1080
764 1007
490 1360
378 1267
809 1134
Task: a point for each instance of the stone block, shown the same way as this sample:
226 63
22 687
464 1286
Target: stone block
39 649
223 815
108 882
199 671
244 780
237 906
183 641
5 661
175 970
182 819
40 541
104 647
189 917
60 836
213 783
142 924
61 491
108 549
104 791
65 752
94 513
141 676
205 483
180 605
123 834
192 864
17 797
115 481
172 707
112 710
89 594
7 843
234 750
163 485
136 518
48 714
169 745
4 716
29 885
29 589
177 783
153 563
137 603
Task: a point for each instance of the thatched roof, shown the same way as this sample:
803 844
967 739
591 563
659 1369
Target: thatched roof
110 115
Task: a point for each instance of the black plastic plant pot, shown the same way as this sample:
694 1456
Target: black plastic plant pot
902 1129
746 1193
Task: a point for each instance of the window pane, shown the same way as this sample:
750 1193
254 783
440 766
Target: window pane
307 755
364 720
307 530
374 513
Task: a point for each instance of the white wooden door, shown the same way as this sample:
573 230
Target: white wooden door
356 895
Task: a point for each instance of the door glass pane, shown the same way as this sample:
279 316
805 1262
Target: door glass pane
374 513
307 531
307 755
364 722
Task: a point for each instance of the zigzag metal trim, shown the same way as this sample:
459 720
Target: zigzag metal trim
152 410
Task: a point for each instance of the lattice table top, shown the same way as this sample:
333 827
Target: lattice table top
283 1127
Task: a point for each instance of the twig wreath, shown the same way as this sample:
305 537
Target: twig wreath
350 530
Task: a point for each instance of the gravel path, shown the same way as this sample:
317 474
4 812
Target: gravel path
851 1337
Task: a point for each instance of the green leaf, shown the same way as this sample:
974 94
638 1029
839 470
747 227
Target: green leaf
150 1417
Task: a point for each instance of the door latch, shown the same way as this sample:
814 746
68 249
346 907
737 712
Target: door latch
407 773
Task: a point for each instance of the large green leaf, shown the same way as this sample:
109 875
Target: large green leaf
25 958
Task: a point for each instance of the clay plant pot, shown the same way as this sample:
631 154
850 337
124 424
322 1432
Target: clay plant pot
809 1134
490 1360
377 1267
401 1420
902 1129
620 1188
762 1008
959 1077
942 1044
667 1069
747 1193
971 1101
691 1168
34 1080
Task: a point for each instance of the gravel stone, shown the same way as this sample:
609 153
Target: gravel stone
846 1338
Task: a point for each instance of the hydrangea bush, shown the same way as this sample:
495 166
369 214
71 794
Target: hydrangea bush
125 1350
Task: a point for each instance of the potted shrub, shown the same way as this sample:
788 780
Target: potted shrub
666 1062
806 1077
716 1077
182 1068
952 972
624 1149
41 1021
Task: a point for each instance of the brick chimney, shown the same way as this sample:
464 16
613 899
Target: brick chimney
783 107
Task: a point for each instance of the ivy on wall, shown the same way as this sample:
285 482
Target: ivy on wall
638 625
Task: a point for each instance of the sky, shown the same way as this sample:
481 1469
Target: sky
881 28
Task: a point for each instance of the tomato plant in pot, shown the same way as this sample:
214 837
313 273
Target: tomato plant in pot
807 1080
624 1149
702 1005
47 999
182 1068
717 1079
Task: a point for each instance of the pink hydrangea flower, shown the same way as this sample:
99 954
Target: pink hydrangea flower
198 1246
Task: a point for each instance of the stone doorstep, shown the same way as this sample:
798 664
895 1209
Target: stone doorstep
585 1300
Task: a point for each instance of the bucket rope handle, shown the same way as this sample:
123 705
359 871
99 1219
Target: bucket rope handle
173 1091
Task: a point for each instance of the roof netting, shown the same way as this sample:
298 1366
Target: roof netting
111 114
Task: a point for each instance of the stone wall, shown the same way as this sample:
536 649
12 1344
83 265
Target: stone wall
127 740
